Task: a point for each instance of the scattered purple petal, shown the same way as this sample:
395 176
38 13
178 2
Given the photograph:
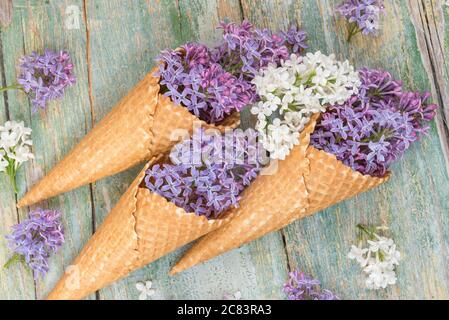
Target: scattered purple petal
295 40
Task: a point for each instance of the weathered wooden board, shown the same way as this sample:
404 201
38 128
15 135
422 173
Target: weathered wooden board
114 45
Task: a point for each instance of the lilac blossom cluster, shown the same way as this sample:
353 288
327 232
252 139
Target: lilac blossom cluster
374 128
363 15
377 256
303 287
45 77
214 82
208 172
37 238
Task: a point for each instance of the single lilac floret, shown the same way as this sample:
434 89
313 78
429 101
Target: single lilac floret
303 287
37 238
373 129
45 77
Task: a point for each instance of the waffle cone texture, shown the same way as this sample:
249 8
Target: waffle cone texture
141 228
322 181
141 126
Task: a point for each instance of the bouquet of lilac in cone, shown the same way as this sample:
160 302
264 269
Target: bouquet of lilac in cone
194 84
177 199
368 121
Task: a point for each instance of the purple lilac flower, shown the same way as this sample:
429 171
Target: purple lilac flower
37 238
45 77
373 129
378 86
213 83
363 15
207 173
203 87
303 287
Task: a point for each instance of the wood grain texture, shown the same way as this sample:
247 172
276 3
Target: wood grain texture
113 48
5 13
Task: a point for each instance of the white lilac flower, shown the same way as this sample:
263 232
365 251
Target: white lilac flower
3 161
145 289
15 148
379 260
292 93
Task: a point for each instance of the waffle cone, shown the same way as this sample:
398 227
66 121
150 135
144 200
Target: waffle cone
325 182
140 229
330 181
143 125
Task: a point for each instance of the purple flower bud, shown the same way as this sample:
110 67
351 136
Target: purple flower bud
196 54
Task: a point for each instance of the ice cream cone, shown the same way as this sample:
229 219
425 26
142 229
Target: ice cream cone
327 182
142 125
140 229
